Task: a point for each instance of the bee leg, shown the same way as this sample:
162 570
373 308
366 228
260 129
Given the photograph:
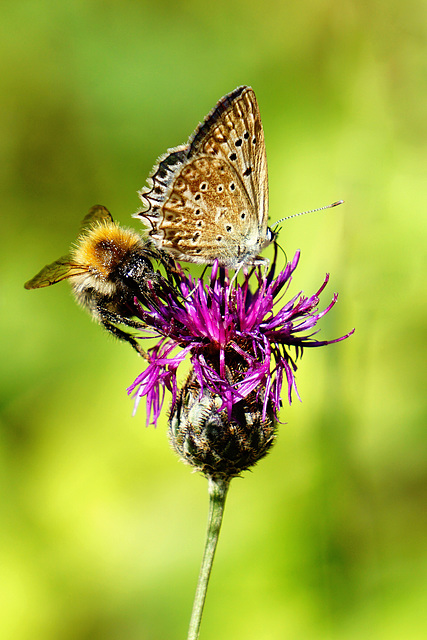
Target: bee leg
109 319
135 324
122 335
112 317
116 318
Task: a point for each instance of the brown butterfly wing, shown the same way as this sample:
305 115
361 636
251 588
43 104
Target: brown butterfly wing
209 199
233 131
204 217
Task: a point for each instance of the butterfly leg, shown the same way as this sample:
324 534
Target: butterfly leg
233 280
190 293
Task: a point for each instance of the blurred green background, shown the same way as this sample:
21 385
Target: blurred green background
101 527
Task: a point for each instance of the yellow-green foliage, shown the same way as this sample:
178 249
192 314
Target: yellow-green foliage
101 527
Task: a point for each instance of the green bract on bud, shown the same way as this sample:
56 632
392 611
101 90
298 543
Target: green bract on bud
220 445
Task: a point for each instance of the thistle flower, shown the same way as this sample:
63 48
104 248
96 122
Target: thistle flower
219 444
243 342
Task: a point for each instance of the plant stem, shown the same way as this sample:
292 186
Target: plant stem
217 494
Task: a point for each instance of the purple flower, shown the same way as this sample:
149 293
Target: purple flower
238 337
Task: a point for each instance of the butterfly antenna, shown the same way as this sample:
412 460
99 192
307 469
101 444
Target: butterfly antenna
279 246
302 213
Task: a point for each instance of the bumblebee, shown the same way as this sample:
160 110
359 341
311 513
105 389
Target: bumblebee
108 267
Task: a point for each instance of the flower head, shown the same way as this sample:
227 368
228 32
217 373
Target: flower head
241 339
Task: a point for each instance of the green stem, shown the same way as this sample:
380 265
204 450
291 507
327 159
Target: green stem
217 494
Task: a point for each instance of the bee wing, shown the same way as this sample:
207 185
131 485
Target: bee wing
64 267
97 214
55 272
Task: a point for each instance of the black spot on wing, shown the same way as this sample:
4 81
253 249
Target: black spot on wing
213 117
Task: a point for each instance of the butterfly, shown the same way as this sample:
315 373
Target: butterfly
207 200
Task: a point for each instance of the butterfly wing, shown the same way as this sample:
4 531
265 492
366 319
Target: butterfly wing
233 131
205 215
209 199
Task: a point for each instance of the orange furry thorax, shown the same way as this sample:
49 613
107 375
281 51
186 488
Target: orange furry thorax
104 247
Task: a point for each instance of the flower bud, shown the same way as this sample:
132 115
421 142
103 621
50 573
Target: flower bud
220 445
